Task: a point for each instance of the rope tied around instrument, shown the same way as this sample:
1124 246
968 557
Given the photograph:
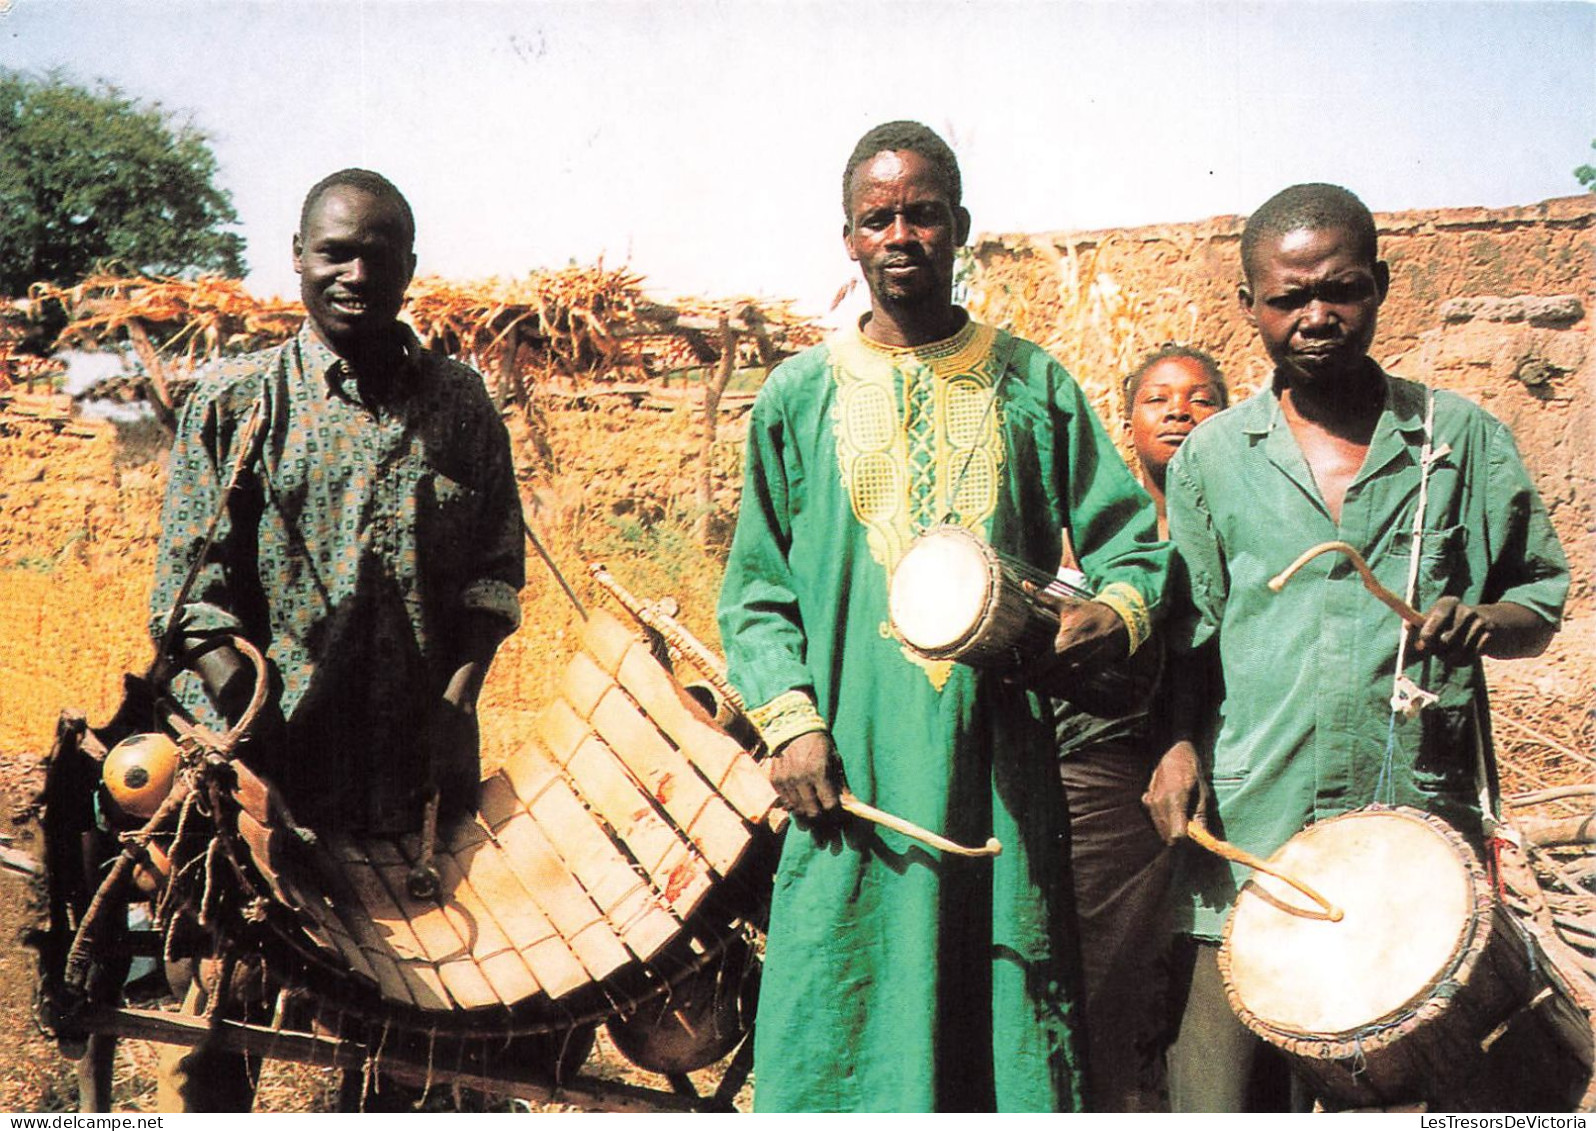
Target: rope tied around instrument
1442 991
200 751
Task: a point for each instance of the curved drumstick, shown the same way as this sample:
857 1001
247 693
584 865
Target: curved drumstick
1199 833
851 804
257 698
714 670
1396 604
224 744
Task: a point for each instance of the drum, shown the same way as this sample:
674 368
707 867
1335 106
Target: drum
1426 990
954 597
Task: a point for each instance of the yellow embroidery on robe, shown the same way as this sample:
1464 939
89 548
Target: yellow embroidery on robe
919 441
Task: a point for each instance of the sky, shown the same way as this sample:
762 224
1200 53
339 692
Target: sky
701 143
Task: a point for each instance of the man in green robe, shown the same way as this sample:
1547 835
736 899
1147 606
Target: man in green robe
896 978
1315 721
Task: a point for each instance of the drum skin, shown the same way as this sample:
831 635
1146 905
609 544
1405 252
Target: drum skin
955 597
1393 1003
952 597
1409 914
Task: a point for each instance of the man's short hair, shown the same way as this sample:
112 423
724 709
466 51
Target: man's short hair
914 137
1164 353
1313 206
364 179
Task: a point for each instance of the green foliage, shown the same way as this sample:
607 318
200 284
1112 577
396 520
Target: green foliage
1586 174
93 176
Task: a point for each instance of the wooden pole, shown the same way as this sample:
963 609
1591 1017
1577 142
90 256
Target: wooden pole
160 393
321 1049
712 392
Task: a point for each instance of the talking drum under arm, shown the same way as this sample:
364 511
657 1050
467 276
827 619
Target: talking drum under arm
955 597
1426 990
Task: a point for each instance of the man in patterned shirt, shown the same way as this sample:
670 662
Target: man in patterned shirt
372 549
896 980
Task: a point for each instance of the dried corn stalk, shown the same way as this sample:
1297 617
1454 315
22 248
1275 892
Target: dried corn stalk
203 317
571 325
173 325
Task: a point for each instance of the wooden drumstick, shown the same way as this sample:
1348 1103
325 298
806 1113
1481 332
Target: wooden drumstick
1199 833
852 805
1396 604
714 671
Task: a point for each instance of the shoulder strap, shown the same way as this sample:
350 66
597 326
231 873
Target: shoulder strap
1407 697
1005 351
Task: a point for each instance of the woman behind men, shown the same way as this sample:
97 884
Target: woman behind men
1110 770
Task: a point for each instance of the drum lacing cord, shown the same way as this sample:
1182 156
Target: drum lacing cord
1407 697
1530 1000
987 414
1443 990
1360 1060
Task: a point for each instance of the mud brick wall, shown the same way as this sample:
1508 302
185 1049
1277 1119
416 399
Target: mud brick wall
1492 303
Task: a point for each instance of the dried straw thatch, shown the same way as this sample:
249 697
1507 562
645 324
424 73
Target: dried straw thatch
199 317
569 317
569 325
18 365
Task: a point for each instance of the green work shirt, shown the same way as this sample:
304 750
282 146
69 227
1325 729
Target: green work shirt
1306 727
896 978
366 523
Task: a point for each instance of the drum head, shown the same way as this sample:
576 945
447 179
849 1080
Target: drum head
1408 898
940 591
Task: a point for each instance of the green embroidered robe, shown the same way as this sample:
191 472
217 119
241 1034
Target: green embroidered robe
897 979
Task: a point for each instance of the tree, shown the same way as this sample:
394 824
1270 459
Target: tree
1586 174
93 176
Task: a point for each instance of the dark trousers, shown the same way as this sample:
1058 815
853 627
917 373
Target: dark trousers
1217 1064
1121 875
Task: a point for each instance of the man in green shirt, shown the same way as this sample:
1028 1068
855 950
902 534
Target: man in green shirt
1315 720
897 979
